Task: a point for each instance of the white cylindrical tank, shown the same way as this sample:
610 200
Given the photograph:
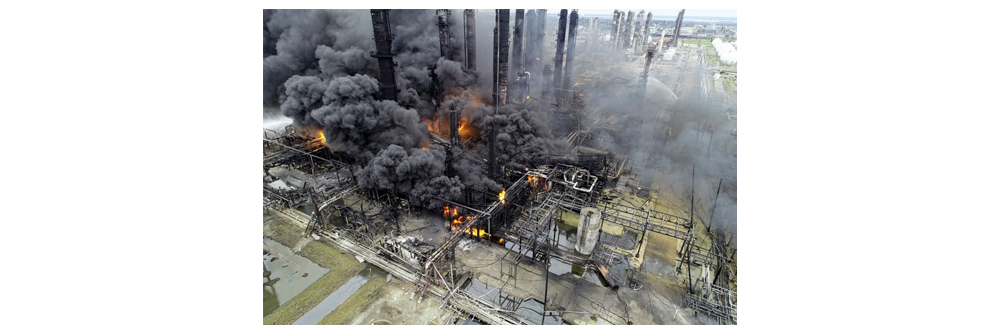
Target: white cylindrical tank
589 230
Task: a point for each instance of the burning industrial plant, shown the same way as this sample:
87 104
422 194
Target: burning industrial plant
449 148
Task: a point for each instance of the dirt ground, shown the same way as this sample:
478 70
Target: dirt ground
661 254
381 303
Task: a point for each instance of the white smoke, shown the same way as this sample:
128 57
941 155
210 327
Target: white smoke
727 51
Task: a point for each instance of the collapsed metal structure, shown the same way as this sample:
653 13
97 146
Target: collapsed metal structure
367 220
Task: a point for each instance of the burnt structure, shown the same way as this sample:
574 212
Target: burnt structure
444 32
570 50
470 39
650 52
677 29
560 44
383 52
516 53
521 229
453 137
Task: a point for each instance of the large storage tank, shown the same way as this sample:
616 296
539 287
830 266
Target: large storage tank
589 230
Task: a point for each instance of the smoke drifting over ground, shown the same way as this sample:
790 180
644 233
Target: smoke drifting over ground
523 137
668 132
419 173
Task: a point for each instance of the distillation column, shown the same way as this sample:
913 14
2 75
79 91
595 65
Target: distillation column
383 52
518 60
571 49
444 32
560 43
677 29
470 39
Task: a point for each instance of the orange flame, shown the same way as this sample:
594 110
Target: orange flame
433 127
464 130
455 222
478 232
322 137
503 194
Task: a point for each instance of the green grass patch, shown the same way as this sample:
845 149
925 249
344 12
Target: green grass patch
345 313
696 42
283 232
342 267
270 301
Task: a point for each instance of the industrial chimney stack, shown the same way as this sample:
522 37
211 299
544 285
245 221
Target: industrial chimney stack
560 44
517 55
501 37
444 32
677 29
539 37
470 39
627 32
570 51
645 31
501 45
530 28
614 27
383 48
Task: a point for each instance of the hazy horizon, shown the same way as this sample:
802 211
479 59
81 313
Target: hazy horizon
722 13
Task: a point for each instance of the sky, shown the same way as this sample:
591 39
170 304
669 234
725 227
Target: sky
661 12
